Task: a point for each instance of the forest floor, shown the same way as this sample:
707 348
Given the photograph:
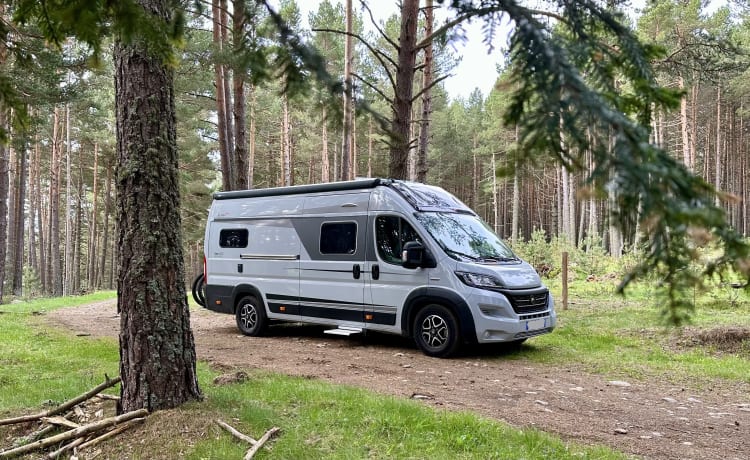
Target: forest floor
652 418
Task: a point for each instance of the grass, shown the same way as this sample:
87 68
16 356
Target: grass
609 334
318 420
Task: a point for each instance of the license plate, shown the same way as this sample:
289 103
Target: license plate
535 324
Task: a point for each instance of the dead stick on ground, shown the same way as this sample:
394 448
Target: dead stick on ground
76 433
64 406
65 448
269 434
237 434
109 397
112 433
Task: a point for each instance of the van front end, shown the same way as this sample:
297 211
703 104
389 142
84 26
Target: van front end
511 315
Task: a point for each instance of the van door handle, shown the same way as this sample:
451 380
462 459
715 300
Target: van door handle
356 271
375 271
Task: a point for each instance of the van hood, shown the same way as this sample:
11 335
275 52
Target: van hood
511 275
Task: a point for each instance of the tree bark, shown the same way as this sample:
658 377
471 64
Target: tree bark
54 209
106 232
19 220
67 275
324 164
157 349
93 235
3 198
398 167
424 126
227 171
240 118
346 149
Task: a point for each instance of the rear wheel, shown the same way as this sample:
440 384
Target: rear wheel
251 316
435 331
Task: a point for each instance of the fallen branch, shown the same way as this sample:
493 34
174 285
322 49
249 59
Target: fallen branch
60 421
65 448
109 397
125 426
237 434
81 431
64 406
268 435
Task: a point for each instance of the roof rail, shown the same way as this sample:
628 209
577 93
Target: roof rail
299 189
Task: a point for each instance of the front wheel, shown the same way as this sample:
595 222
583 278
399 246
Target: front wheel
251 316
436 331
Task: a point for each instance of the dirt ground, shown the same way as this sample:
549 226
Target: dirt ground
653 419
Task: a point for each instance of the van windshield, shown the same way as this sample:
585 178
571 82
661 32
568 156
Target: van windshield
465 237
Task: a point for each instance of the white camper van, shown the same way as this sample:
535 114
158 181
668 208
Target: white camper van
370 255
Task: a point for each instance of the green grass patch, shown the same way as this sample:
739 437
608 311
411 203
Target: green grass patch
611 334
318 420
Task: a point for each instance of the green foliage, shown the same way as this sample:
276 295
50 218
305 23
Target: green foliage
591 75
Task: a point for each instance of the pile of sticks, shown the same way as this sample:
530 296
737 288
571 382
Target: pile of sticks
77 436
254 445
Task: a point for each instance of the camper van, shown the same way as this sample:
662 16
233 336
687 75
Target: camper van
369 255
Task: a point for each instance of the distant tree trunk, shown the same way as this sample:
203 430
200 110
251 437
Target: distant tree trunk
251 153
238 79
33 261
369 146
227 171
4 185
157 350
56 281
20 199
106 232
495 217
684 126
286 143
401 118
42 224
67 275
346 150
78 246
717 162
424 125
93 235
324 164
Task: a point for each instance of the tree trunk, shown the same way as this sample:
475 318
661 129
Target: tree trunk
54 209
67 275
346 149
684 126
717 159
251 153
227 170
424 124
106 232
324 165
286 143
157 349
401 120
93 235
20 199
238 79
3 196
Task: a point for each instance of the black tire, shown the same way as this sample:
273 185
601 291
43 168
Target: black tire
436 332
199 291
251 316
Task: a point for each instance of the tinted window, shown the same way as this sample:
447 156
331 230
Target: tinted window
233 238
391 232
338 238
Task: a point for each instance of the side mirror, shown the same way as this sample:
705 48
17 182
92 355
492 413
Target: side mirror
415 255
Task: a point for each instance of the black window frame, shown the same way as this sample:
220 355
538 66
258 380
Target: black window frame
349 250
397 261
242 233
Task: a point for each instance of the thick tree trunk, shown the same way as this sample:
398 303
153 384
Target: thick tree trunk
424 125
157 350
399 151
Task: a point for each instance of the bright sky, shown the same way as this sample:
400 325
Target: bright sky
477 68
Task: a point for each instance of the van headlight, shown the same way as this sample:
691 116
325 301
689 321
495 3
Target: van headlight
479 280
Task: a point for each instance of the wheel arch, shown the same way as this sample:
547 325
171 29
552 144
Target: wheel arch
242 290
424 296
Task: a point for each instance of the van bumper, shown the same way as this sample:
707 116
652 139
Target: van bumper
495 320
219 298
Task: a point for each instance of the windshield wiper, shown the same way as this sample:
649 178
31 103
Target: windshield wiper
461 254
498 259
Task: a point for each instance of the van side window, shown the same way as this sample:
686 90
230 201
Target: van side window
391 232
338 238
233 238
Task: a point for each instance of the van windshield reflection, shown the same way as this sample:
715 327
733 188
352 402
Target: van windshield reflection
466 237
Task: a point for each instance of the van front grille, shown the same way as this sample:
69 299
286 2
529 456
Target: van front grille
523 304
